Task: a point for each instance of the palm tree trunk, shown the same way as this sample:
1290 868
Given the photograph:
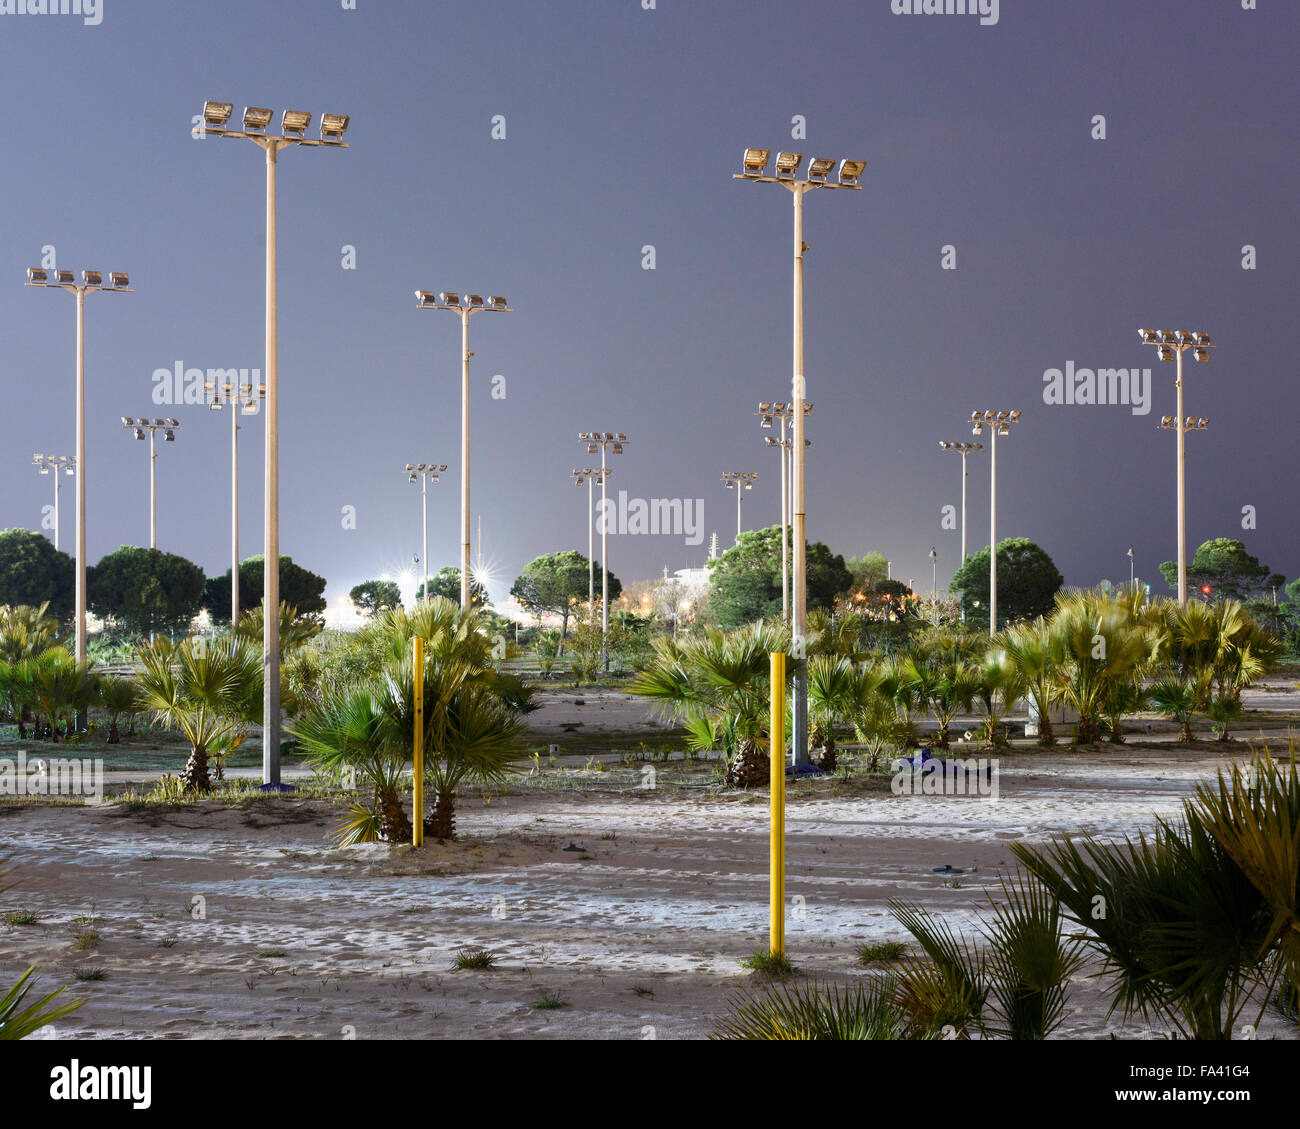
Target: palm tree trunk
749 767
394 825
441 824
195 776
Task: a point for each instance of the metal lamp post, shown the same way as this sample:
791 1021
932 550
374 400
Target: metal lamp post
294 125
423 473
1182 425
999 424
819 172
590 476
739 482
91 281
1171 345
139 428
767 412
473 304
54 464
934 584
962 449
606 442
245 398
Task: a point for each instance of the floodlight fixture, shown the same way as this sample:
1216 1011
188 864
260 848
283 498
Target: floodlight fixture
756 160
787 164
295 122
334 126
256 118
217 113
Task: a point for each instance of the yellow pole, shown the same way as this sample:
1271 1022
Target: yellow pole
417 767
776 856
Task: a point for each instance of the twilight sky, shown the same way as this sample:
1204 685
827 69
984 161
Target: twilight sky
622 129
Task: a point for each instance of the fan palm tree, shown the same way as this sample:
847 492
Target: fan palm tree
351 730
1000 686
1103 647
838 691
295 630
26 631
1179 926
1037 652
117 696
1178 698
211 692
470 732
717 686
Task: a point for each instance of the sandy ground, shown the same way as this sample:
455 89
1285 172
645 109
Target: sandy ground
640 932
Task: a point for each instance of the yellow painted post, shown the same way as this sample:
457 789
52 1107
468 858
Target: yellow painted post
417 773
776 856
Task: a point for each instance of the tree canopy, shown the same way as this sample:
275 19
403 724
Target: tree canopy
446 582
556 582
1028 581
1224 567
374 596
33 572
867 571
146 591
745 582
299 588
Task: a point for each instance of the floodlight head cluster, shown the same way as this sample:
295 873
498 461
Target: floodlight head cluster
820 169
739 480
55 463
999 422
769 410
67 279
1190 423
451 300
138 426
597 476
256 119
960 448
1169 343
416 471
614 440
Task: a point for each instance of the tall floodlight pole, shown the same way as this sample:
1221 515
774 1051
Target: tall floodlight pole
245 399
1182 425
473 304
999 424
739 482
962 449
590 476
54 464
1171 345
820 169
139 428
1131 580
604 441
934 584
91 281
424 473
767 412
294 125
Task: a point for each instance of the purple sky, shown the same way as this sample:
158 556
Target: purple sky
623 127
